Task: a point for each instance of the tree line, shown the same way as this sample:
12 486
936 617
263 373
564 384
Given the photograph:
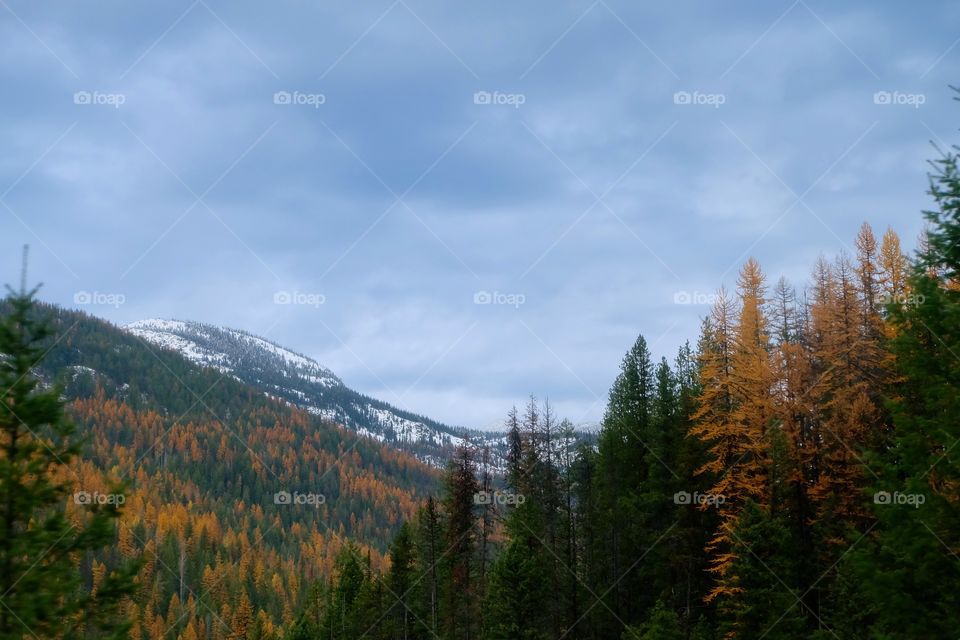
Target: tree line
792 475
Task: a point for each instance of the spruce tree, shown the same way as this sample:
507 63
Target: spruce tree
912 572
760 598
400 585
41 592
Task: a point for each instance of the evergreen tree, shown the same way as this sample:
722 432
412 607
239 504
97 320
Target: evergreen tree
662 624
912 572
517 594
760 598
41 592
339 620
622 466
459 591
400 584
429 554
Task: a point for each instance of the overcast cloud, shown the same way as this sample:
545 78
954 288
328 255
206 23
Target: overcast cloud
577 165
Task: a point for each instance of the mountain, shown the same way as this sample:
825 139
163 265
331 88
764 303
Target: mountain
230 495
302 382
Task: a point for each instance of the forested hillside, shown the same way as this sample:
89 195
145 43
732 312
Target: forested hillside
203 458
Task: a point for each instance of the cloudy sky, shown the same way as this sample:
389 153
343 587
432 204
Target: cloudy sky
460 203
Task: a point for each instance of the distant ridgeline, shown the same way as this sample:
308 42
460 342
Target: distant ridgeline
305 383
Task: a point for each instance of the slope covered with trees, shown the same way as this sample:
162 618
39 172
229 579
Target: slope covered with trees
233 502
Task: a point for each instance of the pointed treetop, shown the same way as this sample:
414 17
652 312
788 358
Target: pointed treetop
23 271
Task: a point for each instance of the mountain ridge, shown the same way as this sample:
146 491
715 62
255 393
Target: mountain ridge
303 382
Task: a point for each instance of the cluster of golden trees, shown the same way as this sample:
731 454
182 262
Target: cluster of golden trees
792 393
199 510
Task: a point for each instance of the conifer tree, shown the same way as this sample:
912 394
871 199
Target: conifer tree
623 452
460 605
41 592
736 409
400 584
912 572
761 598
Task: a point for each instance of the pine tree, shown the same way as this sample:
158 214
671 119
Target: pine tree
516 595
662 624
459 603
761 599
41 592
911 572
400 584
430 549
622 465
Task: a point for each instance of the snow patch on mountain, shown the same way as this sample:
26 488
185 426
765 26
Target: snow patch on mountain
301 381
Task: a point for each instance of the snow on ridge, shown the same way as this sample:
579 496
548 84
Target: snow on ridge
159 333
299 381
179 336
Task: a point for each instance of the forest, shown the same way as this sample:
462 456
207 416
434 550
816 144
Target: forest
791 473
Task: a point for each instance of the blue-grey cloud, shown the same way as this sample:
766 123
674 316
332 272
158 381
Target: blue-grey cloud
581 162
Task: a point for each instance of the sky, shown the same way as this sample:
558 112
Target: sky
455 205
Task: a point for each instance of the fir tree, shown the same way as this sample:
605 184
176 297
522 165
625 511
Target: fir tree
912 572
41 592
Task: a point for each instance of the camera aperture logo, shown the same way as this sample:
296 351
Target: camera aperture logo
514 300
99 99
99 298
899 98
698 499
902 299
694 297
298 98
699 99
298 498
300 298
897 498
501 498
88 499
499 98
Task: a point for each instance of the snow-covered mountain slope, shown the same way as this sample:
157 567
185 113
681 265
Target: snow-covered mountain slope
303 382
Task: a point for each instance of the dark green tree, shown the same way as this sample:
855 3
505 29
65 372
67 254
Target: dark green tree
516 595
662 624
763 601
622 467
459 602
339 620
41 592
911 572
399 596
